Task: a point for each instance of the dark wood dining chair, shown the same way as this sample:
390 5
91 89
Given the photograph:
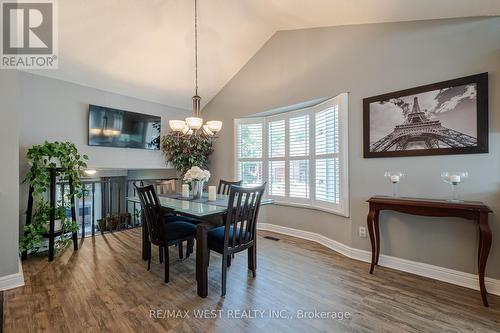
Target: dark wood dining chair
239 230
163 187
225 186
160 232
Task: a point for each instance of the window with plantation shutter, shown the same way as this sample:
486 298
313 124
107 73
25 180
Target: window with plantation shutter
276 157
326 155
299 135
250 140
301 154
277 176
276 138
298 154
250 152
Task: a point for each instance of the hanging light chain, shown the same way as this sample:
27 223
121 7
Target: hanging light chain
196 45
191 125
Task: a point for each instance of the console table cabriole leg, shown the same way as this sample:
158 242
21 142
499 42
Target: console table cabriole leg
377 235
370 223
484 250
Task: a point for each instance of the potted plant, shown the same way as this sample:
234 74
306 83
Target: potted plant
186 151
70 164
197 177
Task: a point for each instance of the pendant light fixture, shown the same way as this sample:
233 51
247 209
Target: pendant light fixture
192 125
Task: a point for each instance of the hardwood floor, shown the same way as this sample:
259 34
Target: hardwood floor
105 287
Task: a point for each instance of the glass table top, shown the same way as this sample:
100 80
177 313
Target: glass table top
197 208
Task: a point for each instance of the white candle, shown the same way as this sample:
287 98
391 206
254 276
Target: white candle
212 193
455 179
185 190
394 178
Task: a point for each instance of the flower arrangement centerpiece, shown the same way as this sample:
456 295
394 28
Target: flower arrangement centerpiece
197 177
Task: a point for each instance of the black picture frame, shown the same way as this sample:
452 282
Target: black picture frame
481 81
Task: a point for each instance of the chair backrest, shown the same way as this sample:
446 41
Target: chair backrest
225 186
152 213
242 214
161 186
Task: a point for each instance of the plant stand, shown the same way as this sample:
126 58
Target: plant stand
52 234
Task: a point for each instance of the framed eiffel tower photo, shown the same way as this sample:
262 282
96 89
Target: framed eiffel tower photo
449 117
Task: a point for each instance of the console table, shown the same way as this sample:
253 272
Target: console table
470 210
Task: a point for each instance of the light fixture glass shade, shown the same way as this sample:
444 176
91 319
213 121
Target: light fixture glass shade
90 172
186 130
207 130
177 125
214 125
194 123
96 131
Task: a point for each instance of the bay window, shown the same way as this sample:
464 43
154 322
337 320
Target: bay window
301 154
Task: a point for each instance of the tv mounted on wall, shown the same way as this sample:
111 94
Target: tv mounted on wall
123 129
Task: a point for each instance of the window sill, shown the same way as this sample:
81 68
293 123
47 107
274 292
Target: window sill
307 206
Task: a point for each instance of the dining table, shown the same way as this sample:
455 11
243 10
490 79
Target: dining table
210 212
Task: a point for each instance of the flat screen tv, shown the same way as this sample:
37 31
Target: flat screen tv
124 129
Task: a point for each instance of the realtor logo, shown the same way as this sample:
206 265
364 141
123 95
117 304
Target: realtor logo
29 39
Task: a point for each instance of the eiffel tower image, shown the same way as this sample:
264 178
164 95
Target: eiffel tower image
419 132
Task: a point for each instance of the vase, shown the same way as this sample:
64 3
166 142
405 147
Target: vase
197 188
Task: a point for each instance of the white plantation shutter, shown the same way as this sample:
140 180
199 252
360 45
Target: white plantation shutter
276 138
276 154
299 179
250 152
302 155
327 161
327 131
299 135
251 173
277 176
250 140
327 180
298 153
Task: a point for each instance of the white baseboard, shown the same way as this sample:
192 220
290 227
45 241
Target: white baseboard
434 272
13 280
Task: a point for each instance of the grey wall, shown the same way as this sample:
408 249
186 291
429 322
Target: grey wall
9 175
367 60
58 110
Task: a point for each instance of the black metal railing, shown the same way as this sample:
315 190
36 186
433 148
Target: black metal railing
105 199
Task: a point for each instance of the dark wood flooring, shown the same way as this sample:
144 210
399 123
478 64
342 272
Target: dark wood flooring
104 287
1 311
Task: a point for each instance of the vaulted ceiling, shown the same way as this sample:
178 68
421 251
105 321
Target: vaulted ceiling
144 48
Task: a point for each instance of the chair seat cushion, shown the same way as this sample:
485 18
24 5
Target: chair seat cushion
168 218
178 230
215 238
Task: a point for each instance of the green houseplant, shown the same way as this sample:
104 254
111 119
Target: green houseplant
40 158
186 151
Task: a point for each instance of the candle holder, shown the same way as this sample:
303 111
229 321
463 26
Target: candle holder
394 177
454 178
